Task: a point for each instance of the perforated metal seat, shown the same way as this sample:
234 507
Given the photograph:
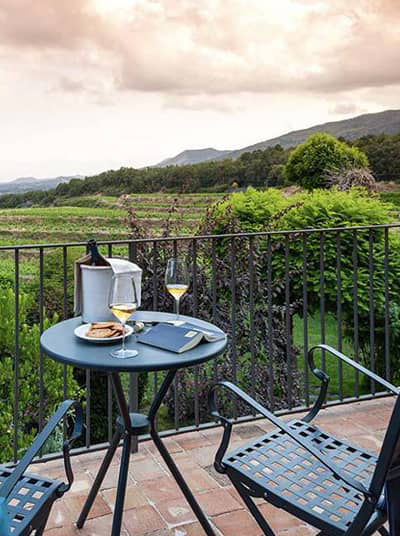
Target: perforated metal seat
30 499
276 466
26 499
331 484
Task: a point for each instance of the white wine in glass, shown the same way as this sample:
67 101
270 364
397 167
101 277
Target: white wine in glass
177 280
123 304
123 311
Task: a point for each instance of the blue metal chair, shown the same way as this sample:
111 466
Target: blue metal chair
331 484
26 499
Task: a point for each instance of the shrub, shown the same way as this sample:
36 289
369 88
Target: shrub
251 210
6 273
309 162
392 198
29 376
328 209
271 376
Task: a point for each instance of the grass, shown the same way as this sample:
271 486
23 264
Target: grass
331 363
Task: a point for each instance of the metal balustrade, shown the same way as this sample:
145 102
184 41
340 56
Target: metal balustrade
233 244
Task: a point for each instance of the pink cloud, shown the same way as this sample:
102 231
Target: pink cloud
204 47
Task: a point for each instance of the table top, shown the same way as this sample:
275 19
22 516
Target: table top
60 343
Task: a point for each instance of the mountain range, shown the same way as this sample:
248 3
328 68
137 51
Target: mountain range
28 184
387 122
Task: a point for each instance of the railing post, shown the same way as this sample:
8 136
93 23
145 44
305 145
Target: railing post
16 358
133 376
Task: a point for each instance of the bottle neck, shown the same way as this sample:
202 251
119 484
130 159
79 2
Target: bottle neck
94 252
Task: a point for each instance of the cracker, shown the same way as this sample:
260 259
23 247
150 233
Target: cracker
116 333
100 333
102 325
105 330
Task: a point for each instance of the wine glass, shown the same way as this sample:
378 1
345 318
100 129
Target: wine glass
123 303
177 280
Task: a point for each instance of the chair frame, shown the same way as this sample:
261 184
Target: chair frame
382 496
37 522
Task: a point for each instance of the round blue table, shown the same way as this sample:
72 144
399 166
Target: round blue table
60 343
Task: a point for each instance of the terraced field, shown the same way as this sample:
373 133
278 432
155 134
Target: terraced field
101 217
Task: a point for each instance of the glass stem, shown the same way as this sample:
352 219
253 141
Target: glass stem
123 336
177 309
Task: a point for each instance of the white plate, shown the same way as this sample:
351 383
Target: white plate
82 330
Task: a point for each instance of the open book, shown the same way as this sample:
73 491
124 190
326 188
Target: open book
178 338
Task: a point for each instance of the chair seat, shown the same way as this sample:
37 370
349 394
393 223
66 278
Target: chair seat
27 499
275 467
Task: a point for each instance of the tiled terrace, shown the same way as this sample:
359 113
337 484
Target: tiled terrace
154 504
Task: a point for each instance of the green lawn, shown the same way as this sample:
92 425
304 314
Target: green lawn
331 363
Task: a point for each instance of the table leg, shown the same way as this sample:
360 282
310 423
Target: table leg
99 478
121 400
167 457
130 426
122 481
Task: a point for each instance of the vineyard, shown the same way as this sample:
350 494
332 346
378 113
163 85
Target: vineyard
101 217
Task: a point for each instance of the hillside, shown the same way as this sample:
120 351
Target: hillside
258 168
387 122
194 156
29 184
101 217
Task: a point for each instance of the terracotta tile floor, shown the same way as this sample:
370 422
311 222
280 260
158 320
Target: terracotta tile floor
154 504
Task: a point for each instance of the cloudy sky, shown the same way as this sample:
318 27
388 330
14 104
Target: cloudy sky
88 85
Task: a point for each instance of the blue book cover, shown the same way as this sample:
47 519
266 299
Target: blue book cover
210 335
177 338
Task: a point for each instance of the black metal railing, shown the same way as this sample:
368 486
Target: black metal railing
290 275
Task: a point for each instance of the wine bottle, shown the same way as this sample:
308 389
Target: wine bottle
96 259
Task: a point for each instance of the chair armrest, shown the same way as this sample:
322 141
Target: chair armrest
354 364
226 423
40 440
325 378
329 464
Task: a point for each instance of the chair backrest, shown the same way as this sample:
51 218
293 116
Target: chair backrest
388 461
389 456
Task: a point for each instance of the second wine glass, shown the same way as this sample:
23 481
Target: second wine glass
123 303
177 280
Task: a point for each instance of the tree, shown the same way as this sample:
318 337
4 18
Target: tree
309 162
383 153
